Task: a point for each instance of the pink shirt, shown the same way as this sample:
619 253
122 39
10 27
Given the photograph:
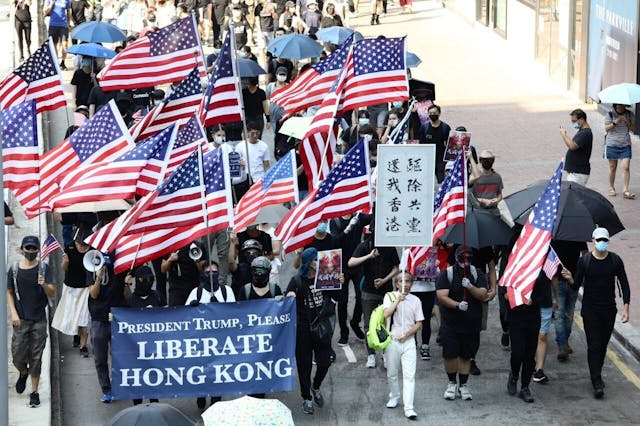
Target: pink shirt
406 315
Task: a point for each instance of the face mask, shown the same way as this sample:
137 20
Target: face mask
463 263
363 121
260 277
433 117
367 138
86 63
209 277
322 228
248 257
281 78
602 245
219 139
143 286
30 256
393 123
397 104
576 126
487 163
216 51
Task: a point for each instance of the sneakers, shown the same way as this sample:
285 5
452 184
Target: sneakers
344 341
474 370
512 384
463 391
84 352
34 400
525 395
371 361
424 352
332 356
504 341
21 383
317 397
307 406
357 330
450 392
393 402
107 398
540 377
76 341
563 354
598 390
63 67
411 414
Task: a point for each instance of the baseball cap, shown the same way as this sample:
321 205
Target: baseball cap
281 71
310 2
600 233
486 154
289 4
30 241
143 271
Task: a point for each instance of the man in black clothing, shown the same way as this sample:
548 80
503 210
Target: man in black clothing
576 162
253 233
240 261
256 106
597 272
184 275
83 81
436 132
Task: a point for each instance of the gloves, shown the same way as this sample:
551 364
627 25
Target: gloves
466 283
463 306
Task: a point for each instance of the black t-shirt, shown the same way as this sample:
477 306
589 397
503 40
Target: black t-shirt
253 295
528 316
329 242
379 267
218 10
569 252
240 32
454 319
266 19
263 238
30 298
76 275
240 277
23 14
254 111
111 295
184 275
330 21
135 301
84 84
351 240
77 11
578 161
142 97
99 98
599 281
309 301
438 136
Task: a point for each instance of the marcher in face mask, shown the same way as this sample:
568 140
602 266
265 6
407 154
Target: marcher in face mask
486 183
577 160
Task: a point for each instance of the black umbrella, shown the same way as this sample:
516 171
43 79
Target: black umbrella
484 228
156 414
580 210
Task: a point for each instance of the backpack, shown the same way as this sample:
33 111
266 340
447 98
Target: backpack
378 336
247 290
223 289
474 274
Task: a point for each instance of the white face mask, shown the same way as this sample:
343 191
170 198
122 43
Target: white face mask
367 138
219 139
393 123
281 78
363 121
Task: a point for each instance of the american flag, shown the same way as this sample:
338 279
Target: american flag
20 146
49 246
379 73
222 100
79 119
530 251
162 56
312 152
347 189
310 87
136 172
551 263
37 78
190 136
181 104
278 186
104 137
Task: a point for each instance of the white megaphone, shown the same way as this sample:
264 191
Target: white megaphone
195 253
93 260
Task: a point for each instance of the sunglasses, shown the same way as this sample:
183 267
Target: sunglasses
601 239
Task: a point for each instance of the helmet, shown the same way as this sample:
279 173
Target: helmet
260 271
252 244
261 262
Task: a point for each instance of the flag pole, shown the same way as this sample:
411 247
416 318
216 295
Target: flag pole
205 215
4 378
133 262
324 156
464 222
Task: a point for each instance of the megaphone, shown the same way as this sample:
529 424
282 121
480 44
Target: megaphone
93 260
195 253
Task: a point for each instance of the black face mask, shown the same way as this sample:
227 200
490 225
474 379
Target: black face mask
487 163
247 257
260 277
205 282
143 286
30 256
433 117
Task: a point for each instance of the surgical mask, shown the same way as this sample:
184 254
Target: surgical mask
260 277
363 121
397 104
30 256
219 139
86 62
322 228
143 286
393 123
367 138
281 78
433 117
576 126
602 245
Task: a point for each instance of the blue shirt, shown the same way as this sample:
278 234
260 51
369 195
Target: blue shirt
58 15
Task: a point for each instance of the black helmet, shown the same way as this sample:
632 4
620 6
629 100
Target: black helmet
251 244
260 271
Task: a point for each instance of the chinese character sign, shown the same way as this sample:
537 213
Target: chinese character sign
404 196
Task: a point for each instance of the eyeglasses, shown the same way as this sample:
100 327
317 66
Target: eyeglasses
599 240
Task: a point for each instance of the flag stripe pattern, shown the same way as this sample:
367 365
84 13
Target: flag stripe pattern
190 136
49 246
551 263
279 185
312 151
20 157
104 137
37 78
181 104
530 250
346 190
162 56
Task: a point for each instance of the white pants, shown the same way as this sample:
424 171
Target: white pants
402 355
580 178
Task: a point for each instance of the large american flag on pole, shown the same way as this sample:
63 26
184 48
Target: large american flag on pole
181 104
222 100
20 146
316 157
530 251
279 185
37 78
162 56
347 189
104 137
136 172
190 136
310 87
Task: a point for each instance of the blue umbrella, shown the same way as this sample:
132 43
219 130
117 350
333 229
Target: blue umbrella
335 35
97 32
91 49
623 93
249 68
413 60
294 46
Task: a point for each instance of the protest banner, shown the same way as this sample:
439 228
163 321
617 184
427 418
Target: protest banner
328 270
457 142
404 195
212 349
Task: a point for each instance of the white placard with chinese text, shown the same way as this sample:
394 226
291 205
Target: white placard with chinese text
404 195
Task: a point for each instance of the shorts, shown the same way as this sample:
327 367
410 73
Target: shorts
618 152
58 34
458 344
545 320
580 178
27 345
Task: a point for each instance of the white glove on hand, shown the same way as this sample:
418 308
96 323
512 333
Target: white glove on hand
463 306
353 222
466 283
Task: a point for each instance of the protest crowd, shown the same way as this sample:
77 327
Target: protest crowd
185 207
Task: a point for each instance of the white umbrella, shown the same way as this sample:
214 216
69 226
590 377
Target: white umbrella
248 411
296 127
623 93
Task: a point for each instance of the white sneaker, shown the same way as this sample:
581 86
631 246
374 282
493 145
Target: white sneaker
450 393
393 402
464 393
371 361
384 361
411 414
